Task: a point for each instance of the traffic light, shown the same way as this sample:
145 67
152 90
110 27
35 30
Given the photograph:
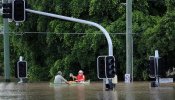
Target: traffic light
22 69
110 67
151 67
7 10
19 13
101 67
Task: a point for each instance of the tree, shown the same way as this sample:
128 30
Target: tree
48 46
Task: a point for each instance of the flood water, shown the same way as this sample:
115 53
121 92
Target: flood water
93 91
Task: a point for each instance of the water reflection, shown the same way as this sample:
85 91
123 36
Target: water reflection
128 90
162 93
62 92
93 91
107 95
58 93
12 90
81 93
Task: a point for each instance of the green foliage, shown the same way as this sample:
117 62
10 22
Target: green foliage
48 46
170 4
37 73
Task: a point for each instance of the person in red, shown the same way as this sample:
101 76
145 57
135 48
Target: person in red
80 77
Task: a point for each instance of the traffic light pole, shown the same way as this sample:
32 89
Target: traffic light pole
156 59
110 46
6 48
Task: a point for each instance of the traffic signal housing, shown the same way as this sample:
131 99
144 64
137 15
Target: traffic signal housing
101 67
106 67
22 69
110 67
19 13
7 10
152 73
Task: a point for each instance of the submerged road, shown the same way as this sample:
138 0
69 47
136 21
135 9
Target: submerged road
93 91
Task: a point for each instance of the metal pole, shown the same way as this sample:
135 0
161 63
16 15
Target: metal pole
6 48
129 37
110 46
156 71
132 62
157 68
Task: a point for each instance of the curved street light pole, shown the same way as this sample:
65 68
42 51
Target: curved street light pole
110 46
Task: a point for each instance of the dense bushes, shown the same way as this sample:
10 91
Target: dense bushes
50 47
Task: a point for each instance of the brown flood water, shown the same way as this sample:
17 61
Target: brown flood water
93 91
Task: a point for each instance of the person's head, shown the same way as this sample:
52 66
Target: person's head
59 73
80 72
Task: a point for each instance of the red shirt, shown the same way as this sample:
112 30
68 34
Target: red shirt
80 78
